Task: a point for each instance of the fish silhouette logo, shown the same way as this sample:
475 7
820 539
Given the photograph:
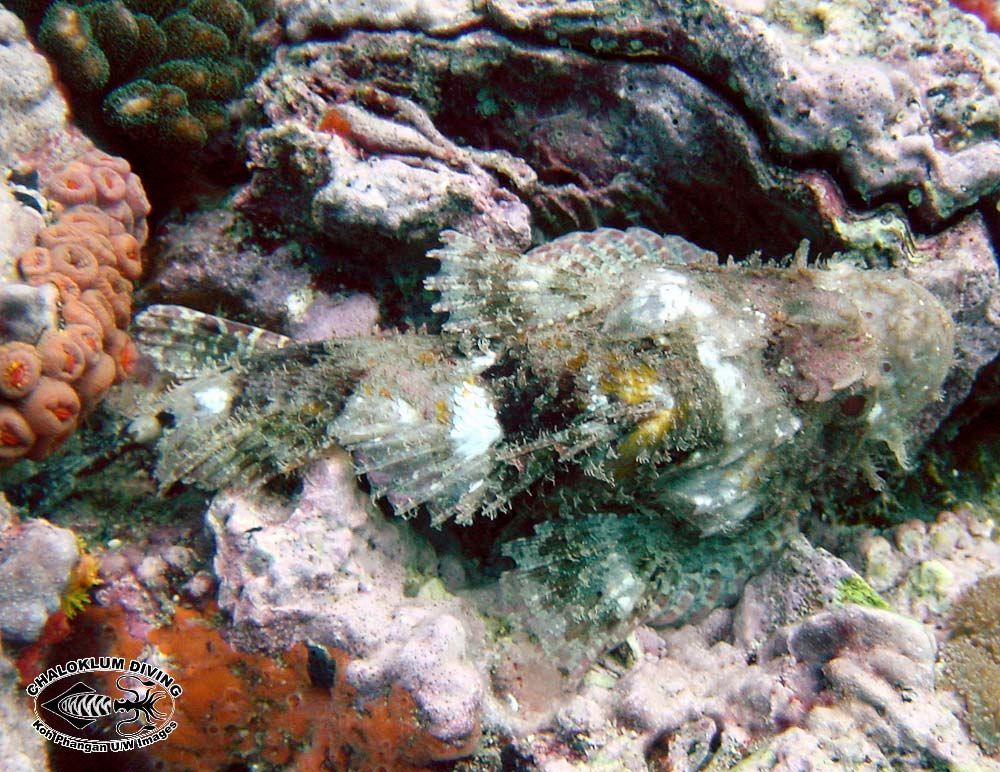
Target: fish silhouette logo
72 713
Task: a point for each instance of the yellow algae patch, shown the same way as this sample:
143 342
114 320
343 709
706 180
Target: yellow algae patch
632 385
647 435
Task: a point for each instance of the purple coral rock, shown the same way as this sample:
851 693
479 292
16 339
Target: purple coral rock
323 317
203 264
21 747
851 628
802 581
31 589
329 569
31 109
391 176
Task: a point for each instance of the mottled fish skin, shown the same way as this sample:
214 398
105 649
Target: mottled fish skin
699 404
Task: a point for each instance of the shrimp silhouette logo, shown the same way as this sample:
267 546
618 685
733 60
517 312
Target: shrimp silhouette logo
138 710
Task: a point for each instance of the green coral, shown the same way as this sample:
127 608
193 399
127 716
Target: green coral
125 61
230 17
856 590
156 113
972 659
67 36
188 37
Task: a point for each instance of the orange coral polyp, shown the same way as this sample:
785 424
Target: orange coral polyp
68 289
109 185
16 436
51 408
101 247
122 213
125 354
114 162
136 197
90 254
76 313
116 283
129 257
88 340
34 262
62 357
96 379
75 261
121 307
91 218
20 369
73 185
103 286
63 232
102 310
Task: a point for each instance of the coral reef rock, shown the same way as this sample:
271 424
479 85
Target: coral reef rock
21 747
379 168
29 103
203 264
844 686
589 95
330 570
31 590
633 471
581 115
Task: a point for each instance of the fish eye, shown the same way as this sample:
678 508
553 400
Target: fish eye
853 406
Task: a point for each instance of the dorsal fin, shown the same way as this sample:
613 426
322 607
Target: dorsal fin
183 342
490 292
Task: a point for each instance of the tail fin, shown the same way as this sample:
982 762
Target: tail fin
581 585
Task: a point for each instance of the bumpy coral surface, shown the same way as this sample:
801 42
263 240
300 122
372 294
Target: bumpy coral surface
335 575
160 73
67 302
31 589
21 747
972 658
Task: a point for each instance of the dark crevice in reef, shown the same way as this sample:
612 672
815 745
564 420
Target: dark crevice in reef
479 121
989 207
649 50
827 162
480 112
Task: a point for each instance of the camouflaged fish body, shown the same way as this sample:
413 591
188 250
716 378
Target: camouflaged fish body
697 405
